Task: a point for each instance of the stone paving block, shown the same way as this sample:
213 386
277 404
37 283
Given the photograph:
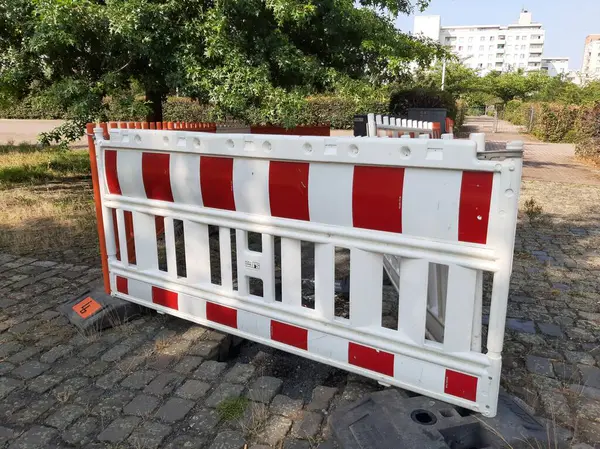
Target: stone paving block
82 431
174 410
240 373
308 426
69 367
64 416
188 364
577 333
119 429
110 379
111 405
588 430
194 333
223 392
9 348
264 389
539 365
590 376
116 352
296 444
588 392
186 442
37 437
25 354
210 370
579 357
286 406
525 326
149 435
193 389
205 348
566 372
96 368
588 409
33 411
56 353
551 330
164 384
139 379
228 439
43 383
7 385
321 398
203 421
275 430
556 405
142 405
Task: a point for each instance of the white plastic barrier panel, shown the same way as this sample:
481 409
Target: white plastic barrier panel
174 198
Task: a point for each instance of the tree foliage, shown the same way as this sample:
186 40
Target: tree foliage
247 58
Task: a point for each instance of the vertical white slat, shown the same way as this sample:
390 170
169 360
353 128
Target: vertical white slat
197 252
225 257
477 313
325 280
122 237
251 186
109 232
404 122
412 305
144 233
129 172
460 306
291 272
267 267
241 245
330 202
366 281
170 246
371 126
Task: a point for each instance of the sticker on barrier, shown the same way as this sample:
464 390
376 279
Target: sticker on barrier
256 235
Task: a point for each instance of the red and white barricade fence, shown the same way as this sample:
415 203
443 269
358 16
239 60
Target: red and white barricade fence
423 201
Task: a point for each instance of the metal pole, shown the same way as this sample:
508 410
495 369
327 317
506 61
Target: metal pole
444 74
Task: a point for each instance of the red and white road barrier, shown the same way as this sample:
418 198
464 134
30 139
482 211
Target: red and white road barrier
422 201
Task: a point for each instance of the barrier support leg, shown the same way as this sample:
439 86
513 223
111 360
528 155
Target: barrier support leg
99 220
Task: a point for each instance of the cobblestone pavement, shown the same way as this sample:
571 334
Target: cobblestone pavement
158 382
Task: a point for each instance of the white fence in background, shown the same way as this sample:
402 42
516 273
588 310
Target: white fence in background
422 201
387 126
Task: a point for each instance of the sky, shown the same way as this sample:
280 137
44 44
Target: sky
567 23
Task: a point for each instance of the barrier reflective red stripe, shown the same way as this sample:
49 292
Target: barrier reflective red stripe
288 190
165 298
371 359
221 314
461 385
377 198
122 285
290 335
474 209
216 182
110 168
156 176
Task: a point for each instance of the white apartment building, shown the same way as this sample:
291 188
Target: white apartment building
591 58
490 47
556 66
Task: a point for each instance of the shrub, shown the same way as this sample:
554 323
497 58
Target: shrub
402 100
185 110
554 122
588 130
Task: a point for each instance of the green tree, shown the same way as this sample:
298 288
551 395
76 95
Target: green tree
249 58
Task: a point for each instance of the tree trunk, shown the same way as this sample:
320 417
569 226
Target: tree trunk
156 110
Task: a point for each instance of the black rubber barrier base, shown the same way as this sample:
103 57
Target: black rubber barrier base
96 311
389 419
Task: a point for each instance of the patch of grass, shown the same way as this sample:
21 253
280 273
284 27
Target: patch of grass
25 163
232 408
533 209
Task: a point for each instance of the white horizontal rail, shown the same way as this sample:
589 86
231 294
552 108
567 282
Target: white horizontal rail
468 255
387 339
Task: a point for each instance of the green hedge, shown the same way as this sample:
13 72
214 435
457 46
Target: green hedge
588 142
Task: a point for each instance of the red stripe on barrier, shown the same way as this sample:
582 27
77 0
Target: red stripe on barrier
216 182
474 209
371 359
156 176
165 298
461 385
221 314
377 198
128 217
110 169
122 285
290 335
288 190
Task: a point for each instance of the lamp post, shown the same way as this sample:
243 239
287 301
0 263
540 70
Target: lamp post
444 69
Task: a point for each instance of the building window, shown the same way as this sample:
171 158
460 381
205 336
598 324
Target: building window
491 38
491 48
510 38
524 38
482 39
501 37
481 47
490 56
521 65
447 39
522 56
470 48
523 47
489 66
470 39
517 38
480 56
460 48
508 47
461 39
